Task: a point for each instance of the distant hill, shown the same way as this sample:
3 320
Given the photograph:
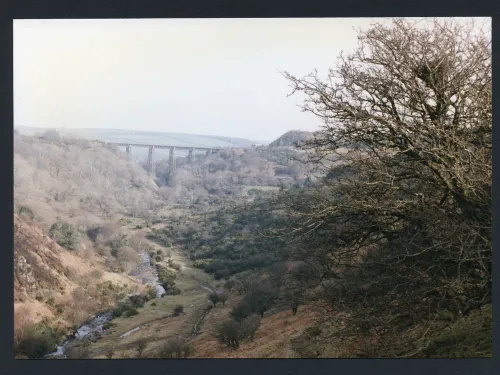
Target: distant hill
290 138
132 136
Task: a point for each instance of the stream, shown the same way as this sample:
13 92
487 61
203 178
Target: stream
146 274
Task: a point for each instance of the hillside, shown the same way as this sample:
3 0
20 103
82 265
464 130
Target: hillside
289 139
84 181
58 287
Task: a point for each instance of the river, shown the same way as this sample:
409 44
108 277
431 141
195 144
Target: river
145 273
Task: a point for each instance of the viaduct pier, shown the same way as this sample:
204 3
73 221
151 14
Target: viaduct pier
171 159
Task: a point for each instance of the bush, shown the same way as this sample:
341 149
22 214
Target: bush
261 298
178 310
214 297
137 300
312 332
176 348
110 352
37 341
25 210
250 325
79 352
223 298
153 304
65 235
152 292
229 333
140 346
131 312
173 291
174 265
241 311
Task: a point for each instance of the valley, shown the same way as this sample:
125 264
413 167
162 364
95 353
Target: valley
370 237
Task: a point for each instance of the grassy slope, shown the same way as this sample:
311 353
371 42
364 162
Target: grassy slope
63 272
272 340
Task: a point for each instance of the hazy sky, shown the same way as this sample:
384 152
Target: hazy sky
200 76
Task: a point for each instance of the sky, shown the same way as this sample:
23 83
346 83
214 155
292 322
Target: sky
198 76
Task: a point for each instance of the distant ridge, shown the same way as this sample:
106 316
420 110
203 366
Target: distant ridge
148 137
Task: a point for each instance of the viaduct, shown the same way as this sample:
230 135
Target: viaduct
171 159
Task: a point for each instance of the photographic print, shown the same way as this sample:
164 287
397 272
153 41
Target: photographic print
252 188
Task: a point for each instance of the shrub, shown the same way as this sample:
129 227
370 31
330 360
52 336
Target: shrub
173 291
131 312
176 348
229 333
153 304
37 341
261 298
79 352
241 311
96 274
312 332
214 297
25 210
140 346
137 300
65 235
229 284
152 292
108 325
223 298
110 352
250 325
175 266
122 222
178 310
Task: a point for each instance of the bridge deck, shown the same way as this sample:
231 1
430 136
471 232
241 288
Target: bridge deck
164 146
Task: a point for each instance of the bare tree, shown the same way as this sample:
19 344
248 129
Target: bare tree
250 326
140 346
178 347
401 223
229 333
110 352
261 298
277 274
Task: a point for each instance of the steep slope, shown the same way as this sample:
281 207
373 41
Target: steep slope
55 285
